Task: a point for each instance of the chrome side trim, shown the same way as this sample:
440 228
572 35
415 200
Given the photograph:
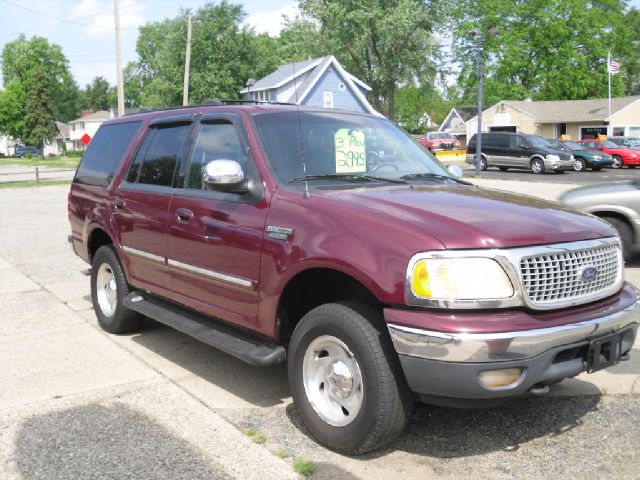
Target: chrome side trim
508 346
143 254
509 259
223 277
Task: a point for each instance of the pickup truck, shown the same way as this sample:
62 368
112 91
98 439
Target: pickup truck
332 241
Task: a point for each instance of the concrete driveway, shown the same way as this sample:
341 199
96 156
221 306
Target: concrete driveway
78 403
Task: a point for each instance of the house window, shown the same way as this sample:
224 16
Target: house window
341 86
328 99
561 129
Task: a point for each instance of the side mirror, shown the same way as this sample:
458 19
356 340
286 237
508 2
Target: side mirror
455 170
226 175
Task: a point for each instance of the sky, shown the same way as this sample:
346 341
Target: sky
85 28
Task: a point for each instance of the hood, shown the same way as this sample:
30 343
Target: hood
463 217
562 154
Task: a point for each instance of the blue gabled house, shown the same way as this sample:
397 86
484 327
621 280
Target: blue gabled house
319 82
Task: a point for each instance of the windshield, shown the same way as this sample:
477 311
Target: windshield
345 146
538 142
608 144
574 146
439 136
558 145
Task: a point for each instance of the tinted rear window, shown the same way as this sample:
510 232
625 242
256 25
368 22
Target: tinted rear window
100 161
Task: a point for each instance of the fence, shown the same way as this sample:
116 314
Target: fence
35 174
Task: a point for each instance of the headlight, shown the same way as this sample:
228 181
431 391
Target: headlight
552 158
633 155
459 279
572 158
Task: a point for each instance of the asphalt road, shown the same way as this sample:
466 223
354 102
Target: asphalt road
76 402
585 178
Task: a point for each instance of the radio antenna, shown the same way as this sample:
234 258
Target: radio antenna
304 165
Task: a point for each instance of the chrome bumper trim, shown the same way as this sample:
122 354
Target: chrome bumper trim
492 347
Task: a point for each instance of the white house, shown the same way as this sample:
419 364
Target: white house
7 146
56 146
320 82
87 124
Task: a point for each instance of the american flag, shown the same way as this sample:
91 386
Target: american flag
614 67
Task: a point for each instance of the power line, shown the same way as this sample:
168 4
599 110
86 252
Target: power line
61 21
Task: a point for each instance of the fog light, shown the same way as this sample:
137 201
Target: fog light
499 378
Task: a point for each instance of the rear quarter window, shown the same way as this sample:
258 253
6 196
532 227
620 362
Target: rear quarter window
100 162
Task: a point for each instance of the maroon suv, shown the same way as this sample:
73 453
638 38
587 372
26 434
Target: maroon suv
335 242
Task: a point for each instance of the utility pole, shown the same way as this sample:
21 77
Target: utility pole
187 63
119 80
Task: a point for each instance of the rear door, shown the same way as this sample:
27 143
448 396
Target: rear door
520 151
141 203
215 237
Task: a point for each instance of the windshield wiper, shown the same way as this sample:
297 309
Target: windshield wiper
429 175
362 177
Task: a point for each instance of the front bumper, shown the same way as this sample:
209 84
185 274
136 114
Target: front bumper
558 164
448 364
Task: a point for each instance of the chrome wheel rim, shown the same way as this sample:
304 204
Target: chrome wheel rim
617 162
106 290
535 166
332 380
578 166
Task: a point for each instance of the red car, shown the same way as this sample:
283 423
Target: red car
622 156
375 273
436 141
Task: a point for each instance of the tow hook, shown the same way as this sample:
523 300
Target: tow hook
539 389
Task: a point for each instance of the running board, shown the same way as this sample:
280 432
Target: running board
242 345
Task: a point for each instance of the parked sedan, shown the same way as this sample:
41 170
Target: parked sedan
622 156
629 142
23 150
618 203
584 158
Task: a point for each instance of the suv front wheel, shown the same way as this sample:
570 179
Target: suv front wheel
345 378
108 289
537 165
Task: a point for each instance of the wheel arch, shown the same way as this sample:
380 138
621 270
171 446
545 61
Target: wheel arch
619 213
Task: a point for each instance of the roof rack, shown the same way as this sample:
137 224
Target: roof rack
215 102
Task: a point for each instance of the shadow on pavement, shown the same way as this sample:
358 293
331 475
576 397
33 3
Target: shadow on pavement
100 442
261 386
441 432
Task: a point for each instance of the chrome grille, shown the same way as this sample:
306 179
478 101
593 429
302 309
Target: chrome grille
557 277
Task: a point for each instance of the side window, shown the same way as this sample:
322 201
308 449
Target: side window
501 141
100 161
515 142
157 159
216 141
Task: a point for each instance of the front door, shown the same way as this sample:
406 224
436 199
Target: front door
215 237
141 206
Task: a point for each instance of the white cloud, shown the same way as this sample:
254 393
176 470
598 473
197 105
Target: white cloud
271 22
101 22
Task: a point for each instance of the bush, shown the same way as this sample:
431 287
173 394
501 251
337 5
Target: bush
74 153
29 155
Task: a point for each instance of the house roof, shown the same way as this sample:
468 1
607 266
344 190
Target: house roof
99 116
560 111
63 130
286 73
466 113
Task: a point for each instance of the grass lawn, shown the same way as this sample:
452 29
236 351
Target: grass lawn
51 162
44 183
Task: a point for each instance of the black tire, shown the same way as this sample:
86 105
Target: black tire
617 162
579 165
626 235
503 169
537 166
386 403
122 319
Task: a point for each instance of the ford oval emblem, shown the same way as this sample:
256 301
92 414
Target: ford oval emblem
589 273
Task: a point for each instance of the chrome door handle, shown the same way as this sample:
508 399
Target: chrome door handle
184 214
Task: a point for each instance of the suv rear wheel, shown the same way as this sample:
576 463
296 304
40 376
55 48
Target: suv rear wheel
108 289
345 378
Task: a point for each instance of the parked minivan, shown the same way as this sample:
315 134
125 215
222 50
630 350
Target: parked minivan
518 150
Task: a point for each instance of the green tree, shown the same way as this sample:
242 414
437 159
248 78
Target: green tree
546 49
96 95
630 58
384 43
301 39
39 119
22 56
12 103
224 54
